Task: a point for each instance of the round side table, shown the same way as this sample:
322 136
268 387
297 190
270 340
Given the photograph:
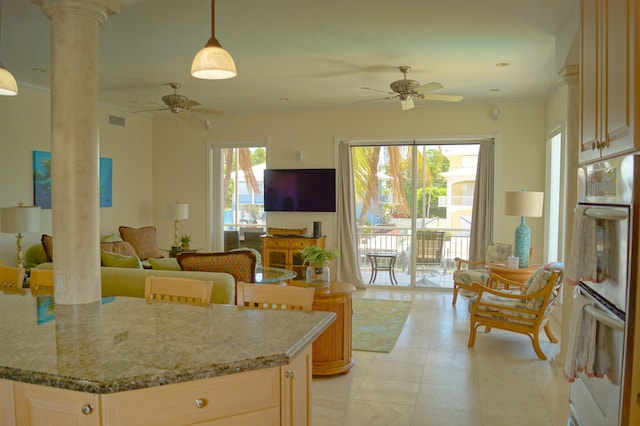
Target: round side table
519 275
332 349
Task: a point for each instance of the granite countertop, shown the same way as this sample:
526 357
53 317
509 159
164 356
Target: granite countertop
124 343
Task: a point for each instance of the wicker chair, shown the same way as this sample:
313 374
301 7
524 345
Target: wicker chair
177 290
525 311
470 271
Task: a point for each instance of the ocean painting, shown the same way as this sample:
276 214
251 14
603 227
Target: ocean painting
42 180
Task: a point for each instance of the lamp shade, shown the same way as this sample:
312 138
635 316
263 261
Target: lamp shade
18 220
213 63
8 85
178 211
523 203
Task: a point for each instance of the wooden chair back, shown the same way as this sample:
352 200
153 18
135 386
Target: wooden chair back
11 279
177 290
41 282
266 296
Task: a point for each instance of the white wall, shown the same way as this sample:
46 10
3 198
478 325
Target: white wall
25 127
180 165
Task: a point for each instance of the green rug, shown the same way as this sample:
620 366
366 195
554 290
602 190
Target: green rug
378 323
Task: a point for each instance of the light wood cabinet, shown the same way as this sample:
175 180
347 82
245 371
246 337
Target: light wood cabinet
42 405
7 412
607 79
284 252
269 397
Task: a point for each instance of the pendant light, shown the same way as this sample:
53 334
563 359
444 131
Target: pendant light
213 62
8 85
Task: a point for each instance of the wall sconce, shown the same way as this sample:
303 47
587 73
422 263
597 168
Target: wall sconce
523 204
299 155
20 220
495 113
177 211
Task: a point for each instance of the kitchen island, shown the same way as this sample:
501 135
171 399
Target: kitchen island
123 361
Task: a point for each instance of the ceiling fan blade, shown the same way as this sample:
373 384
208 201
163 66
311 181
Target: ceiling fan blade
149 110
444 98
208 111
377 90
408 104
371 100
189 104
429 87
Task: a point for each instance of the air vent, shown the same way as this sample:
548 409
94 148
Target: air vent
116 121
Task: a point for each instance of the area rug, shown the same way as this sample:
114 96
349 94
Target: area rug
378 323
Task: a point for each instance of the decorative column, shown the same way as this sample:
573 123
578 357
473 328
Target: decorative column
75 28
569 76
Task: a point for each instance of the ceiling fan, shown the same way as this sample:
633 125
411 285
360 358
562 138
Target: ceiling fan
179 103
406 90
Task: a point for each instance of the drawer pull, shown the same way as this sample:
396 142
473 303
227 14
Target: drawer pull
291 374
87 409
200 402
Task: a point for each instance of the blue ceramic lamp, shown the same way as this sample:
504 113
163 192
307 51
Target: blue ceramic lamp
524 204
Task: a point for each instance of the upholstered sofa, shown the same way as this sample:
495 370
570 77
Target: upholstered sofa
130 281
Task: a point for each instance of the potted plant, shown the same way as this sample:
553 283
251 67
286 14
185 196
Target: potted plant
318 273
185 239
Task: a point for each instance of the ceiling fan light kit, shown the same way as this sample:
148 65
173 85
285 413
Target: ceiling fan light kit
213 62
8 84
406 90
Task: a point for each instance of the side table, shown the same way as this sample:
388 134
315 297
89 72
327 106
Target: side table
383 261
332 349
519 275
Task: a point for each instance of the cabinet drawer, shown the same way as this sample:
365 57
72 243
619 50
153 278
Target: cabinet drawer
268 417
222 397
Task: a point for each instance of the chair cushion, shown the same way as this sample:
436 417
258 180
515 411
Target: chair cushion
144 241
498 253
468 276
241 264
166 264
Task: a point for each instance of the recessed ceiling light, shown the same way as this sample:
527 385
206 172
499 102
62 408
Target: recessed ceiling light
494 90
38 70
502 64
284 99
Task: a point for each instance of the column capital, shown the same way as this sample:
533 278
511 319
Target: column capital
98 9
570 74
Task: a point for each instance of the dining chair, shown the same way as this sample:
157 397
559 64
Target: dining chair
41 282
266 296
177 290
11 279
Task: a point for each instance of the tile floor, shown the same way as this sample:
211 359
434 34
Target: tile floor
432 378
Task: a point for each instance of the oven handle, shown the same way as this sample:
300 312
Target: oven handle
604 213
608 320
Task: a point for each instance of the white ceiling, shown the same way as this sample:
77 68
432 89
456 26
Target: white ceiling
316 54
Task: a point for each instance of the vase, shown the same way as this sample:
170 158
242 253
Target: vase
318 276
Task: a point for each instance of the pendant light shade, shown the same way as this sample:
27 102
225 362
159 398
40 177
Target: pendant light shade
8 85
213 62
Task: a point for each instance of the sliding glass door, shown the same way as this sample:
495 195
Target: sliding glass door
413 208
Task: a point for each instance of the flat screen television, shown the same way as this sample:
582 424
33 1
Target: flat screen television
300 190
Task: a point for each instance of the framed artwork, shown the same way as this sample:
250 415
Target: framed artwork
42 180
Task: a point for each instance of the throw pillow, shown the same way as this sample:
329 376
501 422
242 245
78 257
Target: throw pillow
168 264
119 260
241 264
144 241
111 238
47 244
119 247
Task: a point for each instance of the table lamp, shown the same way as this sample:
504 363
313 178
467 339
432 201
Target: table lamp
177 211
524 204
19 220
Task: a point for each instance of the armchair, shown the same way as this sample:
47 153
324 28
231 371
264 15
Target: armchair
526 311
470 271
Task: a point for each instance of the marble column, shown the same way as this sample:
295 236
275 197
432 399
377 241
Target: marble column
75 44
570 76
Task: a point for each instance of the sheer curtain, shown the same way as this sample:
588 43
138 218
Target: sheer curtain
348 263
483 202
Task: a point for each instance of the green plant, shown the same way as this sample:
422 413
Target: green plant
314 255
185 239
